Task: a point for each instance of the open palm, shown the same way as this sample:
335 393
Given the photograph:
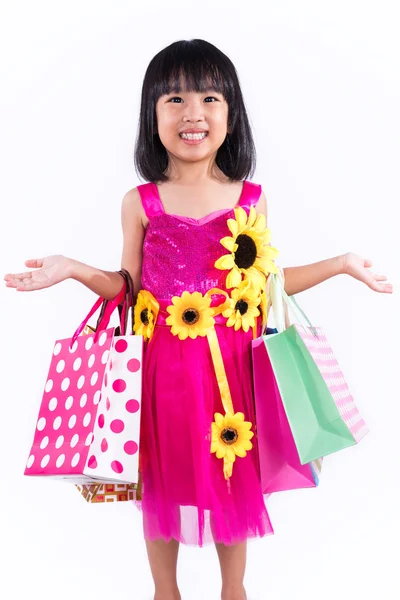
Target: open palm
357 267
50 270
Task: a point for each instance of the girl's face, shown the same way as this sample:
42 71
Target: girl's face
203 111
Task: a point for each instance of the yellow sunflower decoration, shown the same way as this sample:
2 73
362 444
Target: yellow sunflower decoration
243 307
145 314
231 437
190 315
250 252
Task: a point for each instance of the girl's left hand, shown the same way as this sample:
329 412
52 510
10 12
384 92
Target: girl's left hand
357 267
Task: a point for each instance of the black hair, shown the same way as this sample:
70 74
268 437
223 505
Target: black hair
203 67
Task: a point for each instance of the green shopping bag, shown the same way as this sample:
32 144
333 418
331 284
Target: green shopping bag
320 409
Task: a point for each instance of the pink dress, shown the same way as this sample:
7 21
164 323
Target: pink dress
184 493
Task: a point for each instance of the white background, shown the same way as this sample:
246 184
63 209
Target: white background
321 82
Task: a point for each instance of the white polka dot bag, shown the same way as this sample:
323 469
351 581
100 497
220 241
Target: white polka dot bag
88 427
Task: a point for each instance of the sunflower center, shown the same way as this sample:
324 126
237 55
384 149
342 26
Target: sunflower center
229 435
246 252
144 316
190 316
242 307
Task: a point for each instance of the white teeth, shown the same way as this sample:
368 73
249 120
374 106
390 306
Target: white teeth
193 136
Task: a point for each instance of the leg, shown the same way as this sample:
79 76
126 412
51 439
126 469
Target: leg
163 558
232 560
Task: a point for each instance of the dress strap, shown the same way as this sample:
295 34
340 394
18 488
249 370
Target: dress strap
151 201
250 194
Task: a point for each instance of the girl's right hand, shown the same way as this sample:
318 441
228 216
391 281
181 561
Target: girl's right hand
51 270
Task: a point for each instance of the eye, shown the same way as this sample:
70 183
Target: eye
179 98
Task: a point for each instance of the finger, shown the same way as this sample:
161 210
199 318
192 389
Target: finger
367 262
17 278
18 285
34 263
13 284
380 278
386 288
28 286
13 280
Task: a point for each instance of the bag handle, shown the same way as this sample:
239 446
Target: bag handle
281 302
108 307
124 308
275 300
123 300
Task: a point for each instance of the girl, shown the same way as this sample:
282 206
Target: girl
199 253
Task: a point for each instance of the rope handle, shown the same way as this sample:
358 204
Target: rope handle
123 301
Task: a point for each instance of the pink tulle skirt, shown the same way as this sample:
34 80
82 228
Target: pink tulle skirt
184 493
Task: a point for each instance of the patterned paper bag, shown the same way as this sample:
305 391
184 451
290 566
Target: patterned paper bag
110 492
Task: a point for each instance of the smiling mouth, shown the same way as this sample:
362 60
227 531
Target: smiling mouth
193 136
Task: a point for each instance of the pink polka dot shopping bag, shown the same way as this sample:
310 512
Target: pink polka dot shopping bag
88 426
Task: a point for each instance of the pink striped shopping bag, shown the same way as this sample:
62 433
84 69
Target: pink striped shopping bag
322 354
318 404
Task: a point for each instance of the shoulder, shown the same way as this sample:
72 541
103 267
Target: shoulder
132 204
131 199
261 204
263 197
132 207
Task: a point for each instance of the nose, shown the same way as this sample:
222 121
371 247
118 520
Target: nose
193 111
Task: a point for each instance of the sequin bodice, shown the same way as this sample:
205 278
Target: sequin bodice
180 255
179 252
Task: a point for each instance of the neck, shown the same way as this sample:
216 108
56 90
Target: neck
194 173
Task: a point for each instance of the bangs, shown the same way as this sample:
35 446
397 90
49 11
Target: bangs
191 72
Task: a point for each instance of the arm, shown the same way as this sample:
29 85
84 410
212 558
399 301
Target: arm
54 269
107 284
132 219
299 279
